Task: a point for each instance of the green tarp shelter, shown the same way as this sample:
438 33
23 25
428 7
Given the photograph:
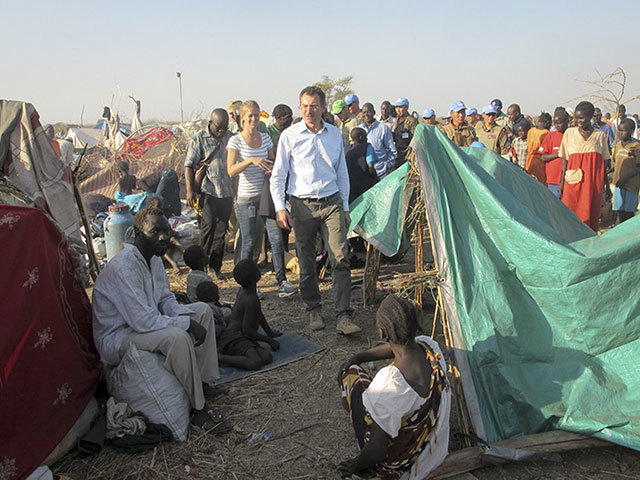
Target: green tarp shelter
545 313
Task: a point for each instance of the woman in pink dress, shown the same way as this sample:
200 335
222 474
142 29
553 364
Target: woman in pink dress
584 151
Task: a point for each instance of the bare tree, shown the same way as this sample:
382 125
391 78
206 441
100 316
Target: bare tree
610 89
335 89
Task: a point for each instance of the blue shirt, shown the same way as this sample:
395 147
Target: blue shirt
314 162
606 128
204 147
381 139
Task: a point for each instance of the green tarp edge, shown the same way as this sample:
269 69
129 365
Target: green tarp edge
376 215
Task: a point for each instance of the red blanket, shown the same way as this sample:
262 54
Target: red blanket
48 362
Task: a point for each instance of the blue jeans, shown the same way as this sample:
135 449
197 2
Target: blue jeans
246 213
277 248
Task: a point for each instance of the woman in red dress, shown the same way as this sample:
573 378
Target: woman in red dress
584 151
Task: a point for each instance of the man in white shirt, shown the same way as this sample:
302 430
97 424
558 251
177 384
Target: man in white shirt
132 304
311 154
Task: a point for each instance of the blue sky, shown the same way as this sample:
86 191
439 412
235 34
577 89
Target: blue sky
86 53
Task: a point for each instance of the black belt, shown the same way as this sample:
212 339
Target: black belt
321 200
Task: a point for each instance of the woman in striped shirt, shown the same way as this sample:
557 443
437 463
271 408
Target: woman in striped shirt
250 155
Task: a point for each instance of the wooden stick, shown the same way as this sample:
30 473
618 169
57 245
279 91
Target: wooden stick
370 276
292 432
554 441
419 258
93 261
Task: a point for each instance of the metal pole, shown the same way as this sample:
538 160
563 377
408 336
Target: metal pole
181 111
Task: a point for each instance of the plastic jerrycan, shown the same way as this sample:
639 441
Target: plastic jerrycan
115 228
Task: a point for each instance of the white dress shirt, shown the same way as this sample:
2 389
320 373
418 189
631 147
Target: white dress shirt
131 297
314 162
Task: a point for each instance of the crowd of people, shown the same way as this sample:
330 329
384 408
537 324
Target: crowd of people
302 176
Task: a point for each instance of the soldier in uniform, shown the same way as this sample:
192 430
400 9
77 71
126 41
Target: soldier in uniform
345 123
353 104
429 117
493 136
501 118
458 130
473 117
403 128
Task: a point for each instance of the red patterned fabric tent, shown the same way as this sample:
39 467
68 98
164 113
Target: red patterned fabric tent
141 141
48 362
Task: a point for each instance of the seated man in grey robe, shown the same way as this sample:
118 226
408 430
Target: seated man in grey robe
132 304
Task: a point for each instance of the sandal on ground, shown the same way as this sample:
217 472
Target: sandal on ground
210 421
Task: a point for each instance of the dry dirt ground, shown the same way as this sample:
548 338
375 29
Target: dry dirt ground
299 405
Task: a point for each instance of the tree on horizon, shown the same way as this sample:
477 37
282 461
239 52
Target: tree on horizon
335 89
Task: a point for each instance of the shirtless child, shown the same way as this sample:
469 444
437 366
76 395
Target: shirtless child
239 343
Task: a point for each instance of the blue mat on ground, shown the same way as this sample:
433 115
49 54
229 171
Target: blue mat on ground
292 347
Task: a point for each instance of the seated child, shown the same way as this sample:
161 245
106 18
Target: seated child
400 416
239 343
126 184
208 293
196 259
126 181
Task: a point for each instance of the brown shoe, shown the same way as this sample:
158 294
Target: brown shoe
346 327
315 320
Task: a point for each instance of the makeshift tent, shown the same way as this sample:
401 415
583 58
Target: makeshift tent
148 151
28 160
85 136
544 313
48 363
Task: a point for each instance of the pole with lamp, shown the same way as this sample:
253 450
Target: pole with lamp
181 111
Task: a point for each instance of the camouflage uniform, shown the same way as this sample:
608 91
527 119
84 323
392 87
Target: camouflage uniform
501 120
462 136
402 130
496 138
345 128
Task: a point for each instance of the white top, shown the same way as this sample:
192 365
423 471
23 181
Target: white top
251 178
389 398
314 162
131 297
